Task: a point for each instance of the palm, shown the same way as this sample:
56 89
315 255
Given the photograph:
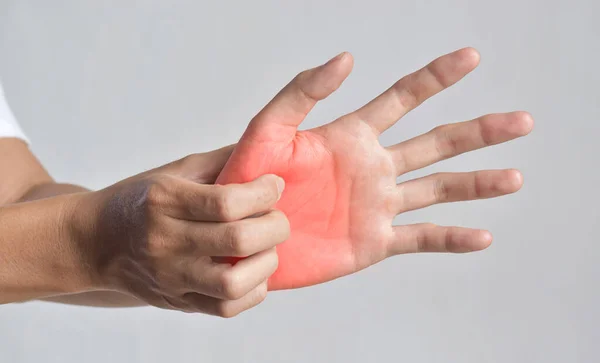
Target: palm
329 199
341 194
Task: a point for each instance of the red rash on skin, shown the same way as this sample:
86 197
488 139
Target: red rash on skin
315 200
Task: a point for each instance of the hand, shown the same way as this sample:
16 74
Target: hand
153 236
341 194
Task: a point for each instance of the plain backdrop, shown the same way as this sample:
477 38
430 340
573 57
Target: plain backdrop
106 89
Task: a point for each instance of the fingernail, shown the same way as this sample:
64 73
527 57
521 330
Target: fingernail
280 186
337 57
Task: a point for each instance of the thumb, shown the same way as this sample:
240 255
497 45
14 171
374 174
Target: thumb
253 198
201 168
291 105
268 188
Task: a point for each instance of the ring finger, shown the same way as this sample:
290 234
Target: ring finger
231 282
453 187
225 308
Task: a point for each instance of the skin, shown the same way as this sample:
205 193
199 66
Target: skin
341 195
149 239
26 180
171 238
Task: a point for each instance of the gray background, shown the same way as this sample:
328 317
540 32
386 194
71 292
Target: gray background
106 89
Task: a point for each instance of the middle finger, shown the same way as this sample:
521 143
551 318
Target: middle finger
451 140
453 187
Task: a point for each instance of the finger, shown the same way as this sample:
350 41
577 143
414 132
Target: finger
224 203
226 308
432 238
224 281
453 187
447 141
201 168
289 108
238 239
204 167
412 90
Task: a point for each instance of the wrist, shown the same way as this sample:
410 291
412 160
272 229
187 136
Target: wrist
80 231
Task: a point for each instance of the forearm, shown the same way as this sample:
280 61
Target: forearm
91 298
39 255
49 189
23 178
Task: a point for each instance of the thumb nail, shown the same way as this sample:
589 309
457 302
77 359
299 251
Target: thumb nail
280 186
337 57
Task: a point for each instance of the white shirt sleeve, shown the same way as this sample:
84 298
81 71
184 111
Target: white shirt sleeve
8 124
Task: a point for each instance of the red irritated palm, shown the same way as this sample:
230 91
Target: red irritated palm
341 194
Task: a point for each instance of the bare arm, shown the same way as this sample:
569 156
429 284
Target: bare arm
91 298
151 236
25 179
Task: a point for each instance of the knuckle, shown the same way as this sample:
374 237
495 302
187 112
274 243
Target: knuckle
225 310
440 188
477 191
447 239
237 239
187 279
438 129
423 238
283 223
230 285
445 142
192 164
224 204
406 94
273 261
159 248
192 276
301 84
186 239
302 76
261 293
438 77
190 160
157 189
485 133
407 98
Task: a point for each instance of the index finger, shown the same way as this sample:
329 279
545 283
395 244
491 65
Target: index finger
225 203
412 90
